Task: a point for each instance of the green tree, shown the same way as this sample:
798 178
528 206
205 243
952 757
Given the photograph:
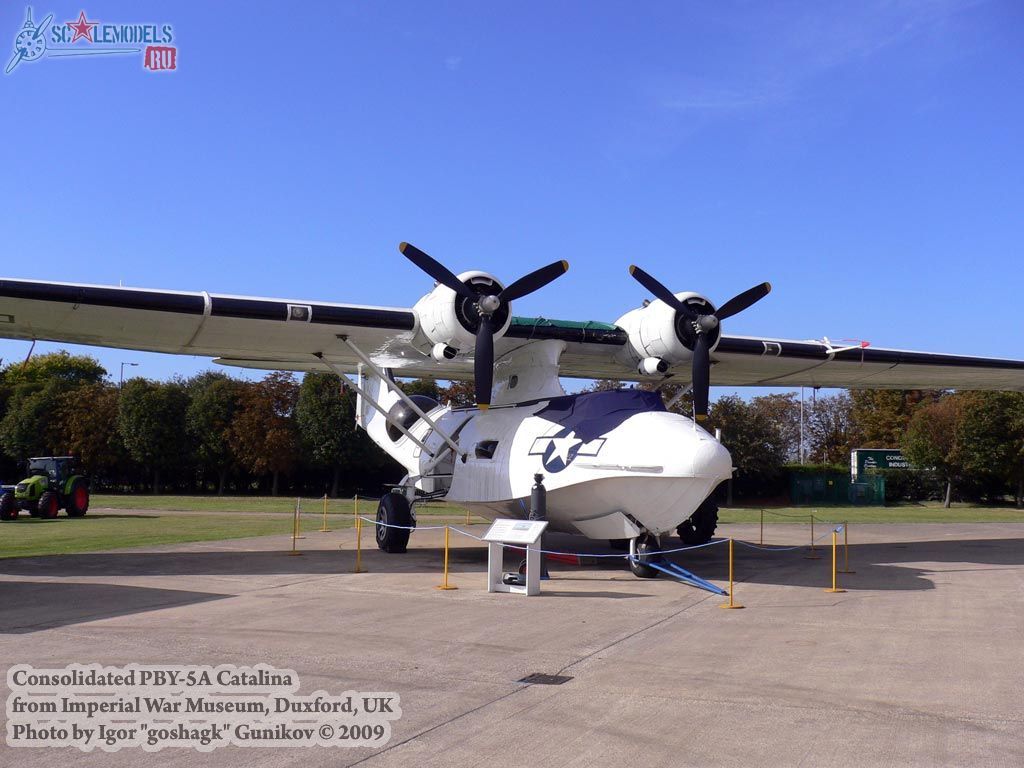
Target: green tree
831 430
782 410
428 387
31 424
460 394
214 400
151 418
264 436
325 417
55 366
882 415
755 441
992 438
89 419
933 440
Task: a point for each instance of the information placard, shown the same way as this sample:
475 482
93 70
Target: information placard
509 531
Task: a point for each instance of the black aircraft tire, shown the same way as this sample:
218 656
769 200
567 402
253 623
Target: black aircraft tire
699 528
644 543
393 510
8 509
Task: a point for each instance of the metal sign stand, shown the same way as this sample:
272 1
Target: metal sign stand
522 533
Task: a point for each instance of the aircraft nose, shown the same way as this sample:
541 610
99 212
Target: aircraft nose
673 444
711 459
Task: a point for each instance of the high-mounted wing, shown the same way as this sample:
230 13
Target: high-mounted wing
288 334
767 362
233 327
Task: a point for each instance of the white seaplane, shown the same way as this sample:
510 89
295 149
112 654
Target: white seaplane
616 465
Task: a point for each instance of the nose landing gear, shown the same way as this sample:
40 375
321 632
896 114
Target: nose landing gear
639 559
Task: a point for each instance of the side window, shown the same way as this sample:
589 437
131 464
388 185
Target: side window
485 449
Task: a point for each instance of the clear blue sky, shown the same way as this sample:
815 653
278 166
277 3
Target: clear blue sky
866 158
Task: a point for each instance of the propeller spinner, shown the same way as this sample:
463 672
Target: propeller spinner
702 325
486 306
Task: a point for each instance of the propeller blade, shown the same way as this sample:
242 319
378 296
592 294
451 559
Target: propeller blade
536 279
660 291
701 377
435 269
737 304
483 362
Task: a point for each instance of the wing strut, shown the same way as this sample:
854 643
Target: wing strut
402 396
380 409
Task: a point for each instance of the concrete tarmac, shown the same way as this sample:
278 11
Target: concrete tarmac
920 662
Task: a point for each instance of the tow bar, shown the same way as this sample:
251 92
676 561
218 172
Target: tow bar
678 572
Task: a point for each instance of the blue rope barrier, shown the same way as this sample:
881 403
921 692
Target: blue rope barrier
622 555
711 543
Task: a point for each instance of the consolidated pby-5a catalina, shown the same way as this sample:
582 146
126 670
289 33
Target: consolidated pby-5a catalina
616 464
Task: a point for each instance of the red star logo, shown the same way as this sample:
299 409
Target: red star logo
82 27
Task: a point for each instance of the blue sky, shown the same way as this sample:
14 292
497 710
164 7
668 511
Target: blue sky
866 158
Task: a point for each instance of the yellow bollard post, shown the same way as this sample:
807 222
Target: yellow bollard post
324 528
835 546
295 532
730 604
846 550
298 519
446 585
467 517
813 553
762 527
355 510
359 546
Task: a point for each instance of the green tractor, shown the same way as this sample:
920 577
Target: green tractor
53 484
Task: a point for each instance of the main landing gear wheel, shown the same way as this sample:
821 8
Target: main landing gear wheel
700 526
638 549
8 509
393 510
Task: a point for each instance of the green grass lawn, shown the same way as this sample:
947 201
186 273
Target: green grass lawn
266 504
209 518
30 536
154 520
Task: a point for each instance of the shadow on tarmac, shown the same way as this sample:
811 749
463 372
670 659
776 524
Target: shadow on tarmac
885 566
30 606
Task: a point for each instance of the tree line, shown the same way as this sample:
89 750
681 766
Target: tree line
208 433
965 446
217 433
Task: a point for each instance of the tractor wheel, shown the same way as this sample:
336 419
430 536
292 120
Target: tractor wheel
49 505
393 511
8 509
700 526
78 499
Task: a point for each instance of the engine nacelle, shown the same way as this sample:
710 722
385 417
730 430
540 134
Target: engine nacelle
448 321
657 335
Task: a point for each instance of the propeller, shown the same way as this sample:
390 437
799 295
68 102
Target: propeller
486 306
702 325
